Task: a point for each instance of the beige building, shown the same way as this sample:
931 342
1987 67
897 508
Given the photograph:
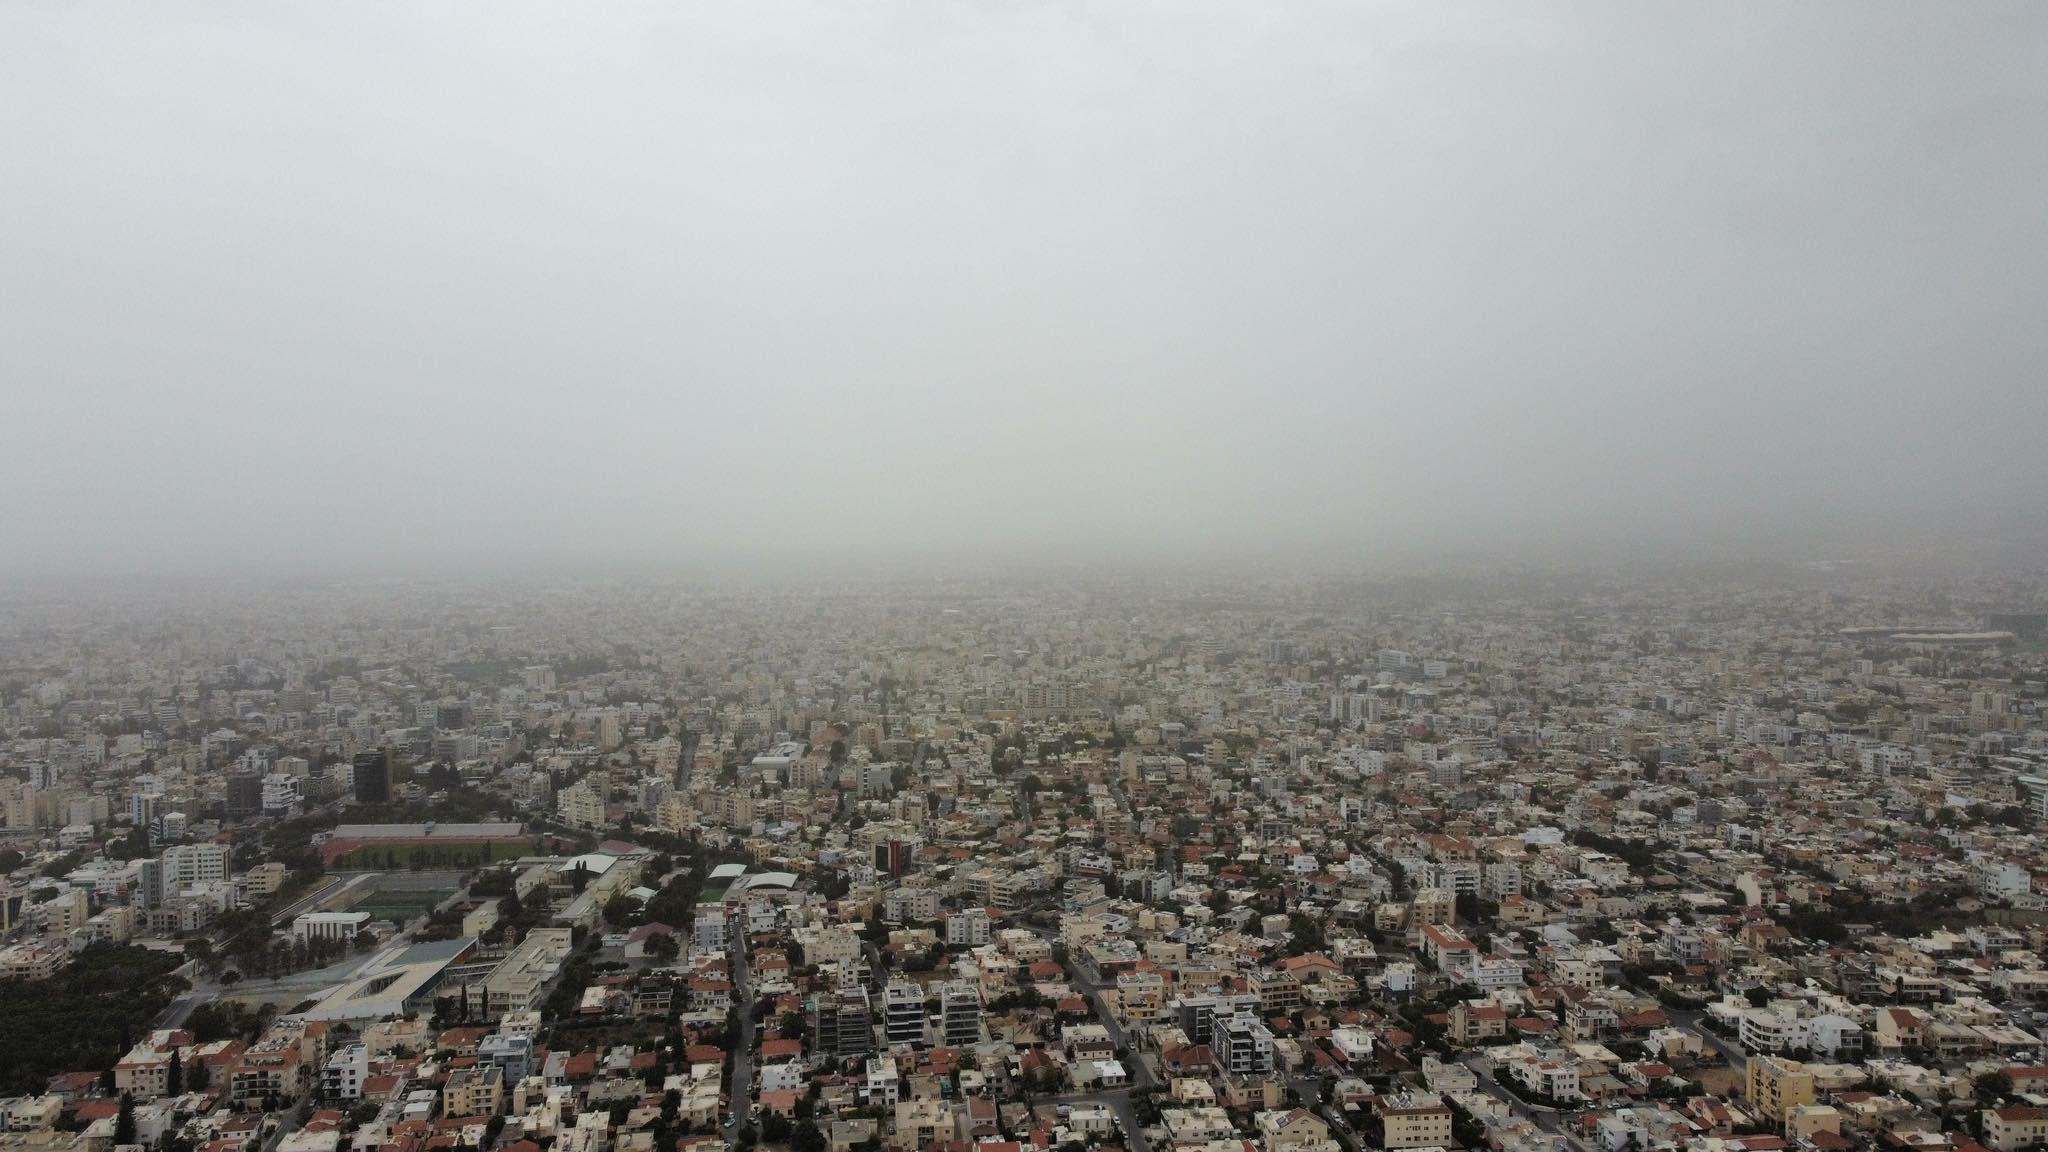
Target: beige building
2010 1129
476 1091
1296 1130
516 984
1776 1087
264 879
920 1123
1415 1121
1808 1119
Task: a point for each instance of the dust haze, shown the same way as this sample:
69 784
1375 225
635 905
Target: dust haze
392 284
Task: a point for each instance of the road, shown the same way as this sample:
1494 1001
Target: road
326 890
181 1009
1119 1101
299 984
1552 1122
283 990
740 1112
1689 1020
1482 1072
1090 985
287 1122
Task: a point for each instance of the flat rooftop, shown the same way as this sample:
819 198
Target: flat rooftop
418 831
381 987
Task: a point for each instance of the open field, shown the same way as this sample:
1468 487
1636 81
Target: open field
398 907
446 854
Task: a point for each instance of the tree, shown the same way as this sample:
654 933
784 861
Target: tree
124 1121
134 844
1307 932
175 1079
807 1138
1991 1087
1758 995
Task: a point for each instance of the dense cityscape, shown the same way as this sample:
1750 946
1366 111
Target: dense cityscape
1023 576
1738 860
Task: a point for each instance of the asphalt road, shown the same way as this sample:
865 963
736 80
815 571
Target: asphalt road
179 1010
1091 985
1119 1102
331 887
741 1111
299 985
1738 1060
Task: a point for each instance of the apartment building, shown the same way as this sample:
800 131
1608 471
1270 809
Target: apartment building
1243 1046
968 928
192 864
474 1091
342 1076
840 1025
903 1013
960 1014
268 1071
1414 1120
910 905
1776 1086
2013 1128
580 805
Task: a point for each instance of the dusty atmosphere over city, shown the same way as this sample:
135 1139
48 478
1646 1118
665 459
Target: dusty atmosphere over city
1015 576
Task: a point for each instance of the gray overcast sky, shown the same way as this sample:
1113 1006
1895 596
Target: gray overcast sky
295 283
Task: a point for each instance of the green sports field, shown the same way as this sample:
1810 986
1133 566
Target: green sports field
393 857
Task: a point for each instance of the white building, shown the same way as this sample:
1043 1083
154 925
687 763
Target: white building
580 805
883 1085
2003 880
342 1076
968 929
190 864
280 792
709 934
341 926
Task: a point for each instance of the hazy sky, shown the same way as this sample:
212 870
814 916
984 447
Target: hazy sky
416 283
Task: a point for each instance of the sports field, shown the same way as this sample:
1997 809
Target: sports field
411 854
